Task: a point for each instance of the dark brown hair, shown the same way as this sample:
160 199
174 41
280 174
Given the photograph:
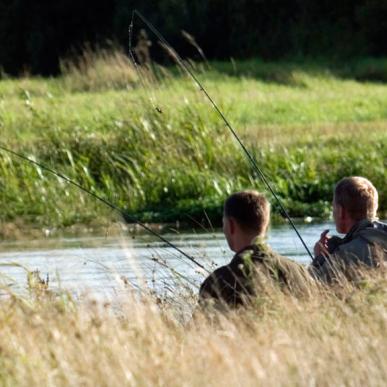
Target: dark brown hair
250 209
358 196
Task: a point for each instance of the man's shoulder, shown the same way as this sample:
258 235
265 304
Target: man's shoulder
268 257
355 250
281 270
361 247
221 275
363 233
220 272
377 233
366 245
234 269
226 285
230 281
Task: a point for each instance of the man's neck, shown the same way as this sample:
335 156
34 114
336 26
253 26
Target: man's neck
350 224
245 241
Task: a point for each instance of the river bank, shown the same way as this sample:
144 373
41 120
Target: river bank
162 154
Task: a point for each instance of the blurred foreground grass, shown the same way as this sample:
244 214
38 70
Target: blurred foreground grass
332 338
161 151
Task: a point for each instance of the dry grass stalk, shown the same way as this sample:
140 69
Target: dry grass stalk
99 70
321 340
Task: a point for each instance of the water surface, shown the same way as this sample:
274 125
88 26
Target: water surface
105 267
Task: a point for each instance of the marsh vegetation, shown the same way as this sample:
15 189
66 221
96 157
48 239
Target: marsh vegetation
161 152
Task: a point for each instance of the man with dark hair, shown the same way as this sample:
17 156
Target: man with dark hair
355 204
254 266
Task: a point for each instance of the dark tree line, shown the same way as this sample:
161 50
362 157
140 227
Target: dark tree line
34 34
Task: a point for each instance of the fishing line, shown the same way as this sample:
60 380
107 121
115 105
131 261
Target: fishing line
123 213
257 169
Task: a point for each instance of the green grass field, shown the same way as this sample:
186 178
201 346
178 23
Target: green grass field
160 151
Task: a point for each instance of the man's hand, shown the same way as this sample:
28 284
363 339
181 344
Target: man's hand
321 247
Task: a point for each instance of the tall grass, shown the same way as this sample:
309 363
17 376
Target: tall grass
98 70
330 339
161 152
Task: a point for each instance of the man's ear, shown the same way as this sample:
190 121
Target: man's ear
341 212
231 223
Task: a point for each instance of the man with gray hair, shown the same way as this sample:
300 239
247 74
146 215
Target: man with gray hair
355 204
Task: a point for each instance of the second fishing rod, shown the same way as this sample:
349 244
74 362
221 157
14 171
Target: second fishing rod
251 159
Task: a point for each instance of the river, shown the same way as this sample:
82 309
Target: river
106 267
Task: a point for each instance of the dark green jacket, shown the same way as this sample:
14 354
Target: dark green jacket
241 280
364 246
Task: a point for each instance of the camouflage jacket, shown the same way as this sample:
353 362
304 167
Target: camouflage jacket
364 246
248 272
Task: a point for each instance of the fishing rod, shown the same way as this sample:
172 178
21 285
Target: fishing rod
123 213
257 169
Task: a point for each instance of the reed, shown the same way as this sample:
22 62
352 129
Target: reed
161 152
332 338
